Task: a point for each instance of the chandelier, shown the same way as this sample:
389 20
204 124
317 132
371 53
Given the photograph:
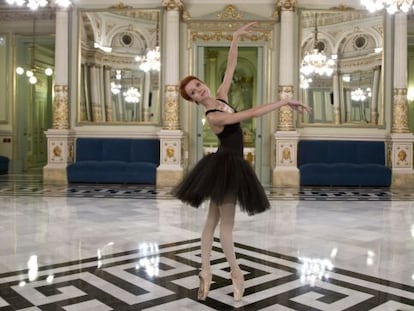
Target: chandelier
152 60
316 62
360 95
132 95
392 6
36 4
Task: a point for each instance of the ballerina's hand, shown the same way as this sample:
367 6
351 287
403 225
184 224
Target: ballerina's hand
243 29
298 106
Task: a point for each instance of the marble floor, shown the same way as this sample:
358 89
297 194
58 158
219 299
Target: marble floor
113 247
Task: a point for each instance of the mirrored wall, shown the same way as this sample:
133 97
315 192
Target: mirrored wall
341 61
120 65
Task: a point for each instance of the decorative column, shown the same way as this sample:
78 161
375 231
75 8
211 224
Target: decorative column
375 95
60 141
285 172
401 140
170 171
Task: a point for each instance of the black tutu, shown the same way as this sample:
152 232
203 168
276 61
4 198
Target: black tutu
218 175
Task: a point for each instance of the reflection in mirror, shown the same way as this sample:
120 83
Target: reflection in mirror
119 66
351 93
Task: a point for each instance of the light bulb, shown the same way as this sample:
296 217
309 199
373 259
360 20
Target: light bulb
33 80
49 71
19 70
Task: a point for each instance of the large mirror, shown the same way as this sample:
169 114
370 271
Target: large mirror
119 74
341 57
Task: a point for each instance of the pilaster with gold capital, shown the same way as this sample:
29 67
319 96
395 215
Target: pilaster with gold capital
172 4
289 5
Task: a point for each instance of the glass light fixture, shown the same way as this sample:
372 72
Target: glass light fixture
36 4
358 95
132 95
115 88
49 71
305 82
316 62
392 6
152 60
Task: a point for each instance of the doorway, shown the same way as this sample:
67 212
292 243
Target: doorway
246 92
33 102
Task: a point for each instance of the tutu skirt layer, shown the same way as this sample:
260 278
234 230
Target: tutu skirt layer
218 175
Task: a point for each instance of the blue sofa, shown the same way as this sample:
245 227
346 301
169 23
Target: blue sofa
115 160
4 165
343 163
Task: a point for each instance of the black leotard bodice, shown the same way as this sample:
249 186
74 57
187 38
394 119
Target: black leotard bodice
231 137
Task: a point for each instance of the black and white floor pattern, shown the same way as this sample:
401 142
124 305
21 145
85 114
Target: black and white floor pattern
132 247
164 277
32 188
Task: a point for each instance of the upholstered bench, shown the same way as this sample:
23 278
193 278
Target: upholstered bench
115 160
343 163
4 165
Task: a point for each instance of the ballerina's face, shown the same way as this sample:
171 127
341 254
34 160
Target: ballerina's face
197 90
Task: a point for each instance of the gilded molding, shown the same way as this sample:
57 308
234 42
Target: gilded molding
120 6
402 155
172 4
171 152
286 118
226 36
61 108
10 15
230 12
223 27
285 153
400 111
60 151
171 120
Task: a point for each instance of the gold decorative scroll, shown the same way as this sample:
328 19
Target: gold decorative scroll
230 12
400 111
61 108
286 119
171 120
222 29
216 35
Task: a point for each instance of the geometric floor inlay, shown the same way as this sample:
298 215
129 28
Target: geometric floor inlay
164 277
153 192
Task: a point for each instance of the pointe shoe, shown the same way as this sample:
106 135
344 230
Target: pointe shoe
205 282
238 285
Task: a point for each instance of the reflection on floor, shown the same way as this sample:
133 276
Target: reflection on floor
114 247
